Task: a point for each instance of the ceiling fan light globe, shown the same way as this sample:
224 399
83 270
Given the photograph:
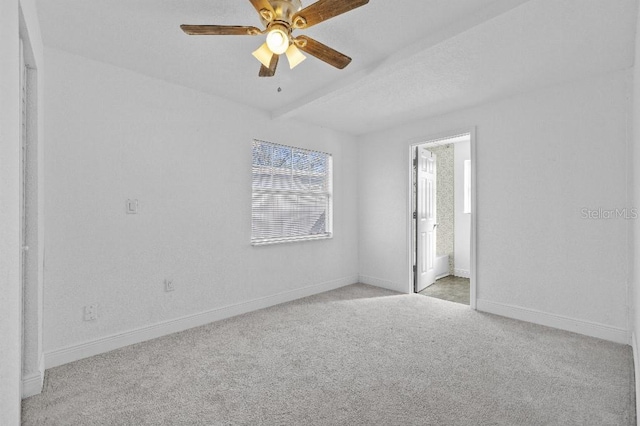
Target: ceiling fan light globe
295 56
263 54
278 41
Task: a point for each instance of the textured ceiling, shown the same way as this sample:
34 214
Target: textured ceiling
410 58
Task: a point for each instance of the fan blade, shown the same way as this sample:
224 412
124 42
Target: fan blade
219 30
271 71
323 10
322 52
261 5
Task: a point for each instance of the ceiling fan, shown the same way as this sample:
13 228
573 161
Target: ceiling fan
280 18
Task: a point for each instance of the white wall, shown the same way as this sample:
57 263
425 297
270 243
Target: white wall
113 134
462 234
634 196
540 161
17 19
10 320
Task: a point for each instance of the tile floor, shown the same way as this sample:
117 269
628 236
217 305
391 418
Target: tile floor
453 289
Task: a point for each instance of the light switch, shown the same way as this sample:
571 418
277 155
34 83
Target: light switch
132 206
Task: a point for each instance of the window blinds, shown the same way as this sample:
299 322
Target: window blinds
291 196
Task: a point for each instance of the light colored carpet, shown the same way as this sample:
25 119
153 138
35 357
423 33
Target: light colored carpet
354 356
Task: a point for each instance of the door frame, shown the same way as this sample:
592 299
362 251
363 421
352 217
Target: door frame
411 241
32 283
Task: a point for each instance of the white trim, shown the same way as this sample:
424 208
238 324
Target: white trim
379 282
463 273
267 242
446 274
32 384
115 341
408 287
588 328
636 367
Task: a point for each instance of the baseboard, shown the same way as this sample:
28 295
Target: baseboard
587 328
105 344
634 346
463 273
442 276
377 282
32 384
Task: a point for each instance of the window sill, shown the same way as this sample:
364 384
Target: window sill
268 242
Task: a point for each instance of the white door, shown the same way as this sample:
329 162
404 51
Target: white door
426 226
23 193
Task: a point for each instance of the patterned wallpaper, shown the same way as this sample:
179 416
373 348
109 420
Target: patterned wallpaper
444 199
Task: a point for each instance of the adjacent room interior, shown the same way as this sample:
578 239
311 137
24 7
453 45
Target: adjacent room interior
210 212
441 199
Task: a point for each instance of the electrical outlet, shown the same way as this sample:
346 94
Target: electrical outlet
91 312
132 206
168 285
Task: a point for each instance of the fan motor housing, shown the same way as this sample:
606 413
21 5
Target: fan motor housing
284 10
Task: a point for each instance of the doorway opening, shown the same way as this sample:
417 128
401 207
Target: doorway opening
443 214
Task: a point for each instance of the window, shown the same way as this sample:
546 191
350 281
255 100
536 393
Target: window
291 195
467 186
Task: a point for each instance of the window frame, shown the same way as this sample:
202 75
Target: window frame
328 194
